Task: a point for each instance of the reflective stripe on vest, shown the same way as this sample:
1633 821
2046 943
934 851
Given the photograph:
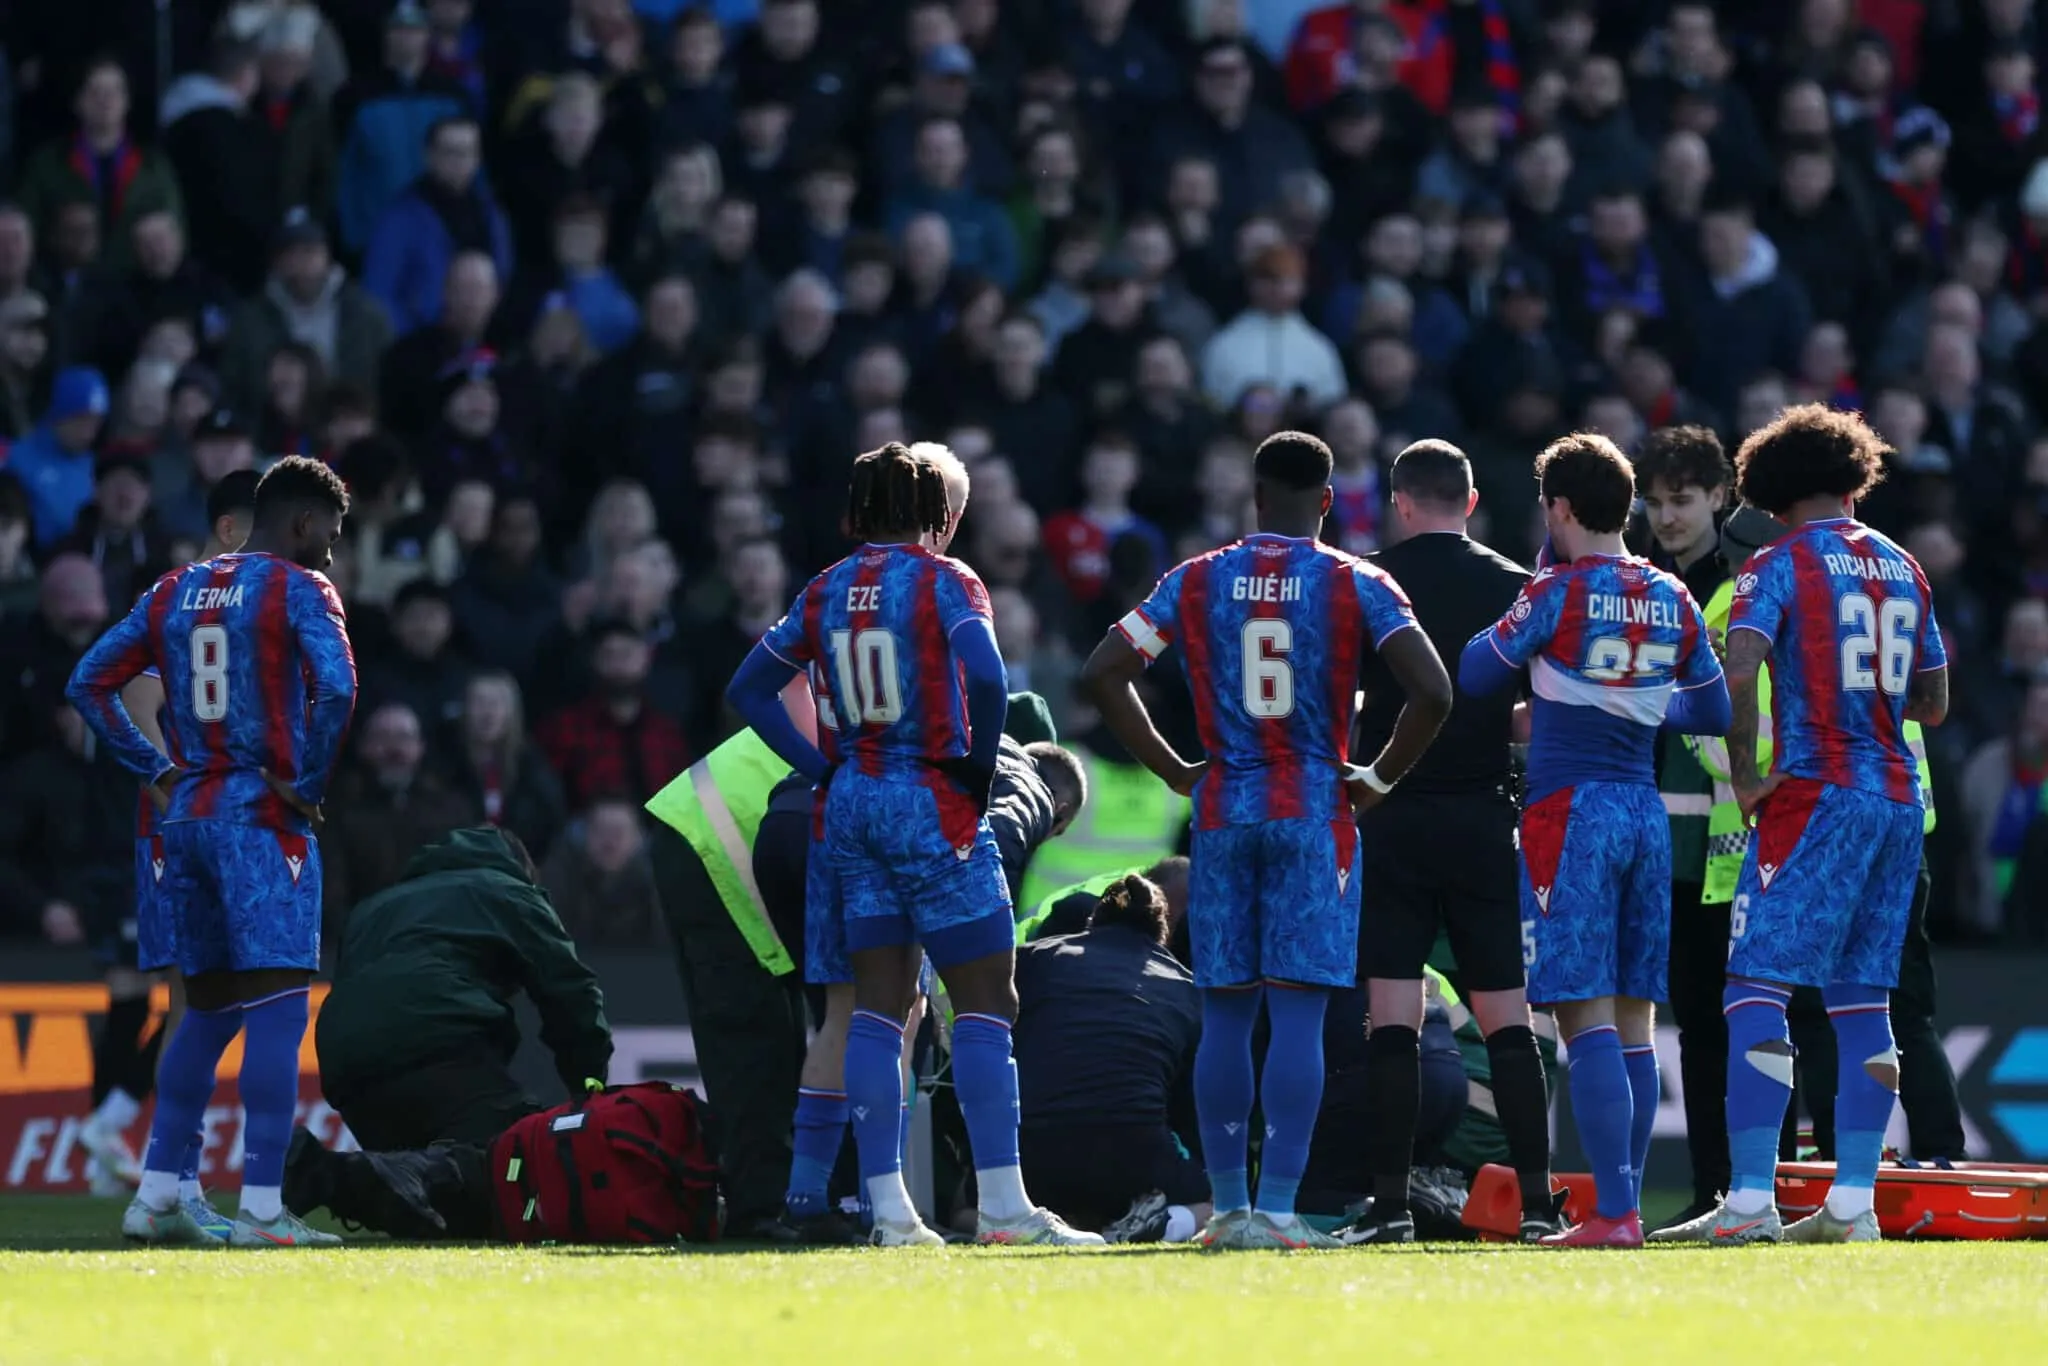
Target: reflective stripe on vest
1131 819
716 805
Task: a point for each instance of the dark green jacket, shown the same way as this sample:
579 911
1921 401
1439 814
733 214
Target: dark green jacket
429 967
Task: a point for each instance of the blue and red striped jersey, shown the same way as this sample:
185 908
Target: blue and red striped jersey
1607 639
1850 619
1272 631
258 675
875 633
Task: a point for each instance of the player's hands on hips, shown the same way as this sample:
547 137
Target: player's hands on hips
160 790
289 795
1752 796
1190 774
1363 797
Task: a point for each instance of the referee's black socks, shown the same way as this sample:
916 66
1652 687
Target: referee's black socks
1393 1061
1523 1106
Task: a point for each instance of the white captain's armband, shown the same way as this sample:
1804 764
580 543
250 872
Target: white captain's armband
1143 636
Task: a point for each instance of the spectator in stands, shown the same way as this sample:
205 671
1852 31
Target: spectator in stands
732 288
227 163
507 598
565 156
1270 342
383 118
1077 543
409 377
71 610
1825 235
1744 313
386 806
448 210
119 531
306 298
54 462
983 240
117 308
2004 799
1252 148
294 111
24 362
602 883
19 588
636 402
99 166
699 90
492 760
222 444
424 670
757 575
614 741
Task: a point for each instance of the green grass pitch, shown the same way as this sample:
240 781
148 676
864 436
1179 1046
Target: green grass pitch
69 1294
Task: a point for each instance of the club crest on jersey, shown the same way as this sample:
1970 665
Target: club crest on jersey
1745 585
1520 611
293 863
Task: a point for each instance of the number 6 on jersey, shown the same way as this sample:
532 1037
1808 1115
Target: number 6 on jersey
1268 677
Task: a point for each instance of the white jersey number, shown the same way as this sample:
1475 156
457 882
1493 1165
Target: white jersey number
1268 681
1878 651
209 673
1612 657
870 690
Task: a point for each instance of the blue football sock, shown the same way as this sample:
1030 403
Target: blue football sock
1760 1062
1223 1091
276 1026
184 1085
1605 1111
1867 1084
1645 1090
820 1130
985 1081
1290 1092
874 1091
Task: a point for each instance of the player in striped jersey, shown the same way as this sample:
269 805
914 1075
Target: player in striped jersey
1846 620
900 646
229 507
1271 631
1615 648
259 683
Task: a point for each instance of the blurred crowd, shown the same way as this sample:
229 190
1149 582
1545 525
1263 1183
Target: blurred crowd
593 303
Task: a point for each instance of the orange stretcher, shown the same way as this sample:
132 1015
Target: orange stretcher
1977 1201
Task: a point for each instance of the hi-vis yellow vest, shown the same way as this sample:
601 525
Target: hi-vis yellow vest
1094 886
1131 819
1727 835
716 805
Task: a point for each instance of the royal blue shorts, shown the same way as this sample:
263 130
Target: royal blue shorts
905 872
156 940
236 898
1596 893
1275 902
1826 887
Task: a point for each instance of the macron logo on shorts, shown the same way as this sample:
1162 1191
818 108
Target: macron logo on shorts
963 852
156 869
294 863
1542 898
1765 872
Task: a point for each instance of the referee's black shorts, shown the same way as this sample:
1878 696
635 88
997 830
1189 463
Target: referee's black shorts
1432 862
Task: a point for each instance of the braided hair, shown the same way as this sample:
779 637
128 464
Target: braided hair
896 494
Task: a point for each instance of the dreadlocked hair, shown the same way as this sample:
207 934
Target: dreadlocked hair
895 493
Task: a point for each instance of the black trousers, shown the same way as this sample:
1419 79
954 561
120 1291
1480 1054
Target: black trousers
1698 976
749 1029
1927 1084
439 1192
468 1096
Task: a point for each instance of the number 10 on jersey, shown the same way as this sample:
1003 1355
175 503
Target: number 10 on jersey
870 690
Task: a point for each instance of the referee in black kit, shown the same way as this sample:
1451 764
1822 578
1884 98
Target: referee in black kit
1439 853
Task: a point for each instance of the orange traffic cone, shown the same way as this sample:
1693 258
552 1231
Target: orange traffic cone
1494 1208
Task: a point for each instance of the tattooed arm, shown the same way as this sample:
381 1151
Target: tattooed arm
1747 651
1927 697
